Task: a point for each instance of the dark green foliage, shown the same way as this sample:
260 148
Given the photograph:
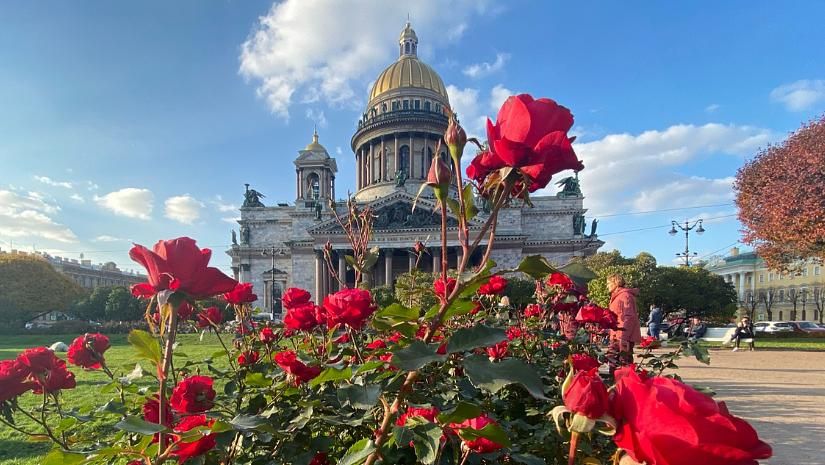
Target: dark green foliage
29 286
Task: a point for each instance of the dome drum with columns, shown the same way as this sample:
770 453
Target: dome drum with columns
281 246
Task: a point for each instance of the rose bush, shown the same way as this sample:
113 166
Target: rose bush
471 379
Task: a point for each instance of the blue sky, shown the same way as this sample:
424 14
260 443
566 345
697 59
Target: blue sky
135 121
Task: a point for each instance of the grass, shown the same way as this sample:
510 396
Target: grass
801 343
18 449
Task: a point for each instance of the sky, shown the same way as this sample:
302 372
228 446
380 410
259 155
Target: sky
126 122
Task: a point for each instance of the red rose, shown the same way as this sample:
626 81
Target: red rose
442 289
248 358
295 297
210 317
665 422
532 310
531 135
320 459
87 351
193 395
179 265
302 317
495 286
562 281
151 411
342 339
587 395
48 372
349 307
13 380
395 337
515 332
241 294
186 449
584 362
478 445
267 335
428 414
301 373
498 351
592 313
650 342
483 164
377 344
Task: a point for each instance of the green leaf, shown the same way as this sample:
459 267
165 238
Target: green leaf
59 457
369 366
470 210
701 353
220 426
358 396
397 312
146 344
426 439
331 374
249 422
492 431
462 411
371 258
490 376
476 336
536 266
358 452
455 207
257 380
135 424
415 356
351 262
459 307
580 274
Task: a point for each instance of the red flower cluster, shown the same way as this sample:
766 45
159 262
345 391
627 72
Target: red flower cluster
666 422
498 351
515 332
241 294
193 395
48 372
87 351
301 313
562 281
267 336
210 317
584 362
428 414
180 266
377 344
248 358
350 307
587 394
442 289
531 136
13 380
186 449
592 313
495 286
151 411
532 310
478 445
650 342
301 373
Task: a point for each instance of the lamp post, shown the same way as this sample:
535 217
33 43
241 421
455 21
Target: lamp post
273 294
686 255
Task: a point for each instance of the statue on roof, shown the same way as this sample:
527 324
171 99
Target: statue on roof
252 198
570 187
593 227
234 238
400 177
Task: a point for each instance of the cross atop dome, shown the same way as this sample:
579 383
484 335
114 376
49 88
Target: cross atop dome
408 42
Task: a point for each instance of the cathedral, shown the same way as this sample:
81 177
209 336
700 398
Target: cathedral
281 245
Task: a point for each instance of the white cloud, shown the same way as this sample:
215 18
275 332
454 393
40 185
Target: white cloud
222 206
498 95
800 95
51 182
92 186
107 238
130 202
183 208
317 117
231 219
77 198
712 107
322 50
479 70
27 216
465 103
648 170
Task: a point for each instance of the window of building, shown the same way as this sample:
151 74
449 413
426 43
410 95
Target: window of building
781 296
761 277
404 158
780 276
394 106
417 105
406 104
426 106
805 271
770 277
438 108
817 270
314 185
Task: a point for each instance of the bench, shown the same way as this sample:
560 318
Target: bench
723 335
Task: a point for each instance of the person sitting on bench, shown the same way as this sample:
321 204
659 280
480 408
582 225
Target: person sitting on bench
697 329
744 330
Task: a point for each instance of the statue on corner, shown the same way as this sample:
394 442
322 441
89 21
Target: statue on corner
245 233
400 177
252 198
579 224
570 187
234 238
593 227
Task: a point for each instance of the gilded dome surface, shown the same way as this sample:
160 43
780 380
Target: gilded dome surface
408 71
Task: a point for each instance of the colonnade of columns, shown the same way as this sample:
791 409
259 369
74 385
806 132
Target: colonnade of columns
378 159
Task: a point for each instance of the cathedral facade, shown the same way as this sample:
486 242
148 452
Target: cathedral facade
397 136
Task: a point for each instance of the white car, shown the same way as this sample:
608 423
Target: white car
773 327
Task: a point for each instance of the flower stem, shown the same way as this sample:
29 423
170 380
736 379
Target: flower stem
166 363
574 442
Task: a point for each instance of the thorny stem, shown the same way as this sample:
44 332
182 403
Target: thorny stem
166 363
19 430
42 422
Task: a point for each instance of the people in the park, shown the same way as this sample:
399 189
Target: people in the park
654 321
623 304
744 330
697 329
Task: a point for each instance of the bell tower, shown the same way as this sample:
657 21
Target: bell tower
315 175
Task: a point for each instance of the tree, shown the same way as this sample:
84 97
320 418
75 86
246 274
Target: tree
768 298
819 302
415 289
780 198
636 272
793 296
29 286
93 307
696 291
122 305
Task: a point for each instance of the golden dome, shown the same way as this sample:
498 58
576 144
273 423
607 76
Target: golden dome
314 146
408 72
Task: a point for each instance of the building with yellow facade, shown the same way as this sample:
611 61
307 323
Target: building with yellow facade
776 295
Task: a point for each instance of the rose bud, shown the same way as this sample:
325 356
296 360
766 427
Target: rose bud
456 138
439 177
419 247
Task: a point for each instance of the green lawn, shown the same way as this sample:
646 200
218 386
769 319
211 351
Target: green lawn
806 344
17 449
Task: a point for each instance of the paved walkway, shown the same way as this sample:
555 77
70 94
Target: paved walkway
781 393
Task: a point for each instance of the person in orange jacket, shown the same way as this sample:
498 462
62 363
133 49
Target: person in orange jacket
623 304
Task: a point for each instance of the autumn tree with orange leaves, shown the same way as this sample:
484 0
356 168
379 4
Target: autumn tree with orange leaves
781 198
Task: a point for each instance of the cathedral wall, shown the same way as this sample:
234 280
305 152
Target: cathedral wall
303 271
506 257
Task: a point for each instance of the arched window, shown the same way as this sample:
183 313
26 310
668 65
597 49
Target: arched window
395 106
407 48
383 108
427 106
404 159
429 160
314 184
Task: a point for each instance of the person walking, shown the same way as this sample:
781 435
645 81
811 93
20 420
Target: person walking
744 330
628 334
654 321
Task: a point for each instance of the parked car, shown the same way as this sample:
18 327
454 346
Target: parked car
773 327
806 327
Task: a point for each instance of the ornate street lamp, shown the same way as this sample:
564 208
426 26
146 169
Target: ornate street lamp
686 255
275 297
